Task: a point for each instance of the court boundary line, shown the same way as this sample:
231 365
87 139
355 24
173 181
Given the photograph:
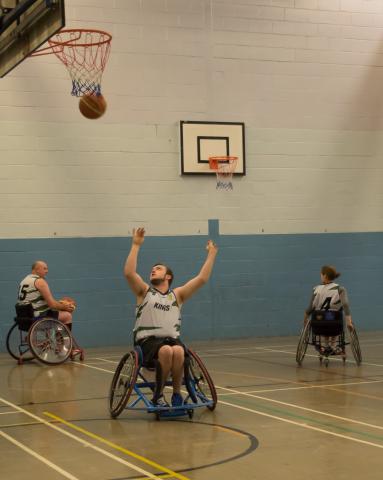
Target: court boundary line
310 427
38 456
116 447
316 356
292 405
82 441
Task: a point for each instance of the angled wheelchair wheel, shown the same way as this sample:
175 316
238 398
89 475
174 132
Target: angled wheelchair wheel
303 342
203 384
50 341
123 382
18 345
355 347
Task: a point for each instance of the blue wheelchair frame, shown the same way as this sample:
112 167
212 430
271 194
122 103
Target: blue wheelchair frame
131 385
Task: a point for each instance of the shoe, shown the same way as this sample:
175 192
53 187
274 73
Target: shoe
160 402
177 400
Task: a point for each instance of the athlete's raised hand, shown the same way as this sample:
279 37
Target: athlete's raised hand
211 247
138 236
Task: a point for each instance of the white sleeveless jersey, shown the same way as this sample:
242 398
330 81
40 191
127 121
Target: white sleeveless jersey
28 293
158 315
327 297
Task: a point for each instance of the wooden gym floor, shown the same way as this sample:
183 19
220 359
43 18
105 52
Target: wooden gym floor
274 419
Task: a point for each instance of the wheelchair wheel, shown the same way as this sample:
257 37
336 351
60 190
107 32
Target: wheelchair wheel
355 347
50 341
203 384
17 345
123 382
303 342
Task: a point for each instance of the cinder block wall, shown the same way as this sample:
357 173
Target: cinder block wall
304 75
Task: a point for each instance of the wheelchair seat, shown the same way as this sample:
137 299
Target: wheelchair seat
131 385
24 316
44 338
327 323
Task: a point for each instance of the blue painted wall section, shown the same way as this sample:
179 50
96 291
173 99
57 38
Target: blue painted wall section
260 285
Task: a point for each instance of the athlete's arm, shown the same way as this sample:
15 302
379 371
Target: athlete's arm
136 283
309 309
346 307
186 291
43 287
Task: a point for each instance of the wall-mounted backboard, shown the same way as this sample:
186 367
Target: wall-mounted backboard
201 140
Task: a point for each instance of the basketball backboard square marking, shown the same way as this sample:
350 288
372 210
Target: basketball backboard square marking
206 145
201 140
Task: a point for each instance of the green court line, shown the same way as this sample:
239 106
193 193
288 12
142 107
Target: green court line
310 420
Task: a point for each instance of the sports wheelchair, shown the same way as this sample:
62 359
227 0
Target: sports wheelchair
328 323
133 381
46 339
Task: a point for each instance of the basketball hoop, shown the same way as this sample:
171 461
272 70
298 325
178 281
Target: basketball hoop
224 167
84 53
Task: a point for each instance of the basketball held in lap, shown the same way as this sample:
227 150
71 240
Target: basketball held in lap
92 106
68 301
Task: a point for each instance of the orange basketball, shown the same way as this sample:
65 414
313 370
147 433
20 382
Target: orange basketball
92 106
69 300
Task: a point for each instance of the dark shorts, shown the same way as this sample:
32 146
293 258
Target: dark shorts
49 313
151 345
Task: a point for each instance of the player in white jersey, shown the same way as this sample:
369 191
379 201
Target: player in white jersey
35 290
158 318
329 296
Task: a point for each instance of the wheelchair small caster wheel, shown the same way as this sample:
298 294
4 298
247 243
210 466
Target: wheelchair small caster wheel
82 357
158 416
190 414
326 362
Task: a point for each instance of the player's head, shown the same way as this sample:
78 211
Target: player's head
328 272
40 268
160 273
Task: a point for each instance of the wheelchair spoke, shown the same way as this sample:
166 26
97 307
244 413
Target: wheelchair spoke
303 342
50 341
202 384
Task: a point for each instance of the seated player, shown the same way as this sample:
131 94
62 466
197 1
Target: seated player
34 289
158 319
329 296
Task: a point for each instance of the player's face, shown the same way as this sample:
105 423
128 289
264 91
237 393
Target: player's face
158 274
41 269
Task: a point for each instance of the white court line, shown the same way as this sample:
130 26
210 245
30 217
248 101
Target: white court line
106 360
293 405
303 425
309 386
79 440
7 413
316 356
58 469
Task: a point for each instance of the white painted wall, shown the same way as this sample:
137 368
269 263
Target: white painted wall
305 76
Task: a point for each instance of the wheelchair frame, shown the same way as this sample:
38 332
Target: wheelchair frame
46 339
131 385
327 323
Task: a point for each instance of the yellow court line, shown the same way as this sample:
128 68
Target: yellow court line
117 447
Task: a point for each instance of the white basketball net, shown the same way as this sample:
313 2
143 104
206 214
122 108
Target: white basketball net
225 172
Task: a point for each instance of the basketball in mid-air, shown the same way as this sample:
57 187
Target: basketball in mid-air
92 106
